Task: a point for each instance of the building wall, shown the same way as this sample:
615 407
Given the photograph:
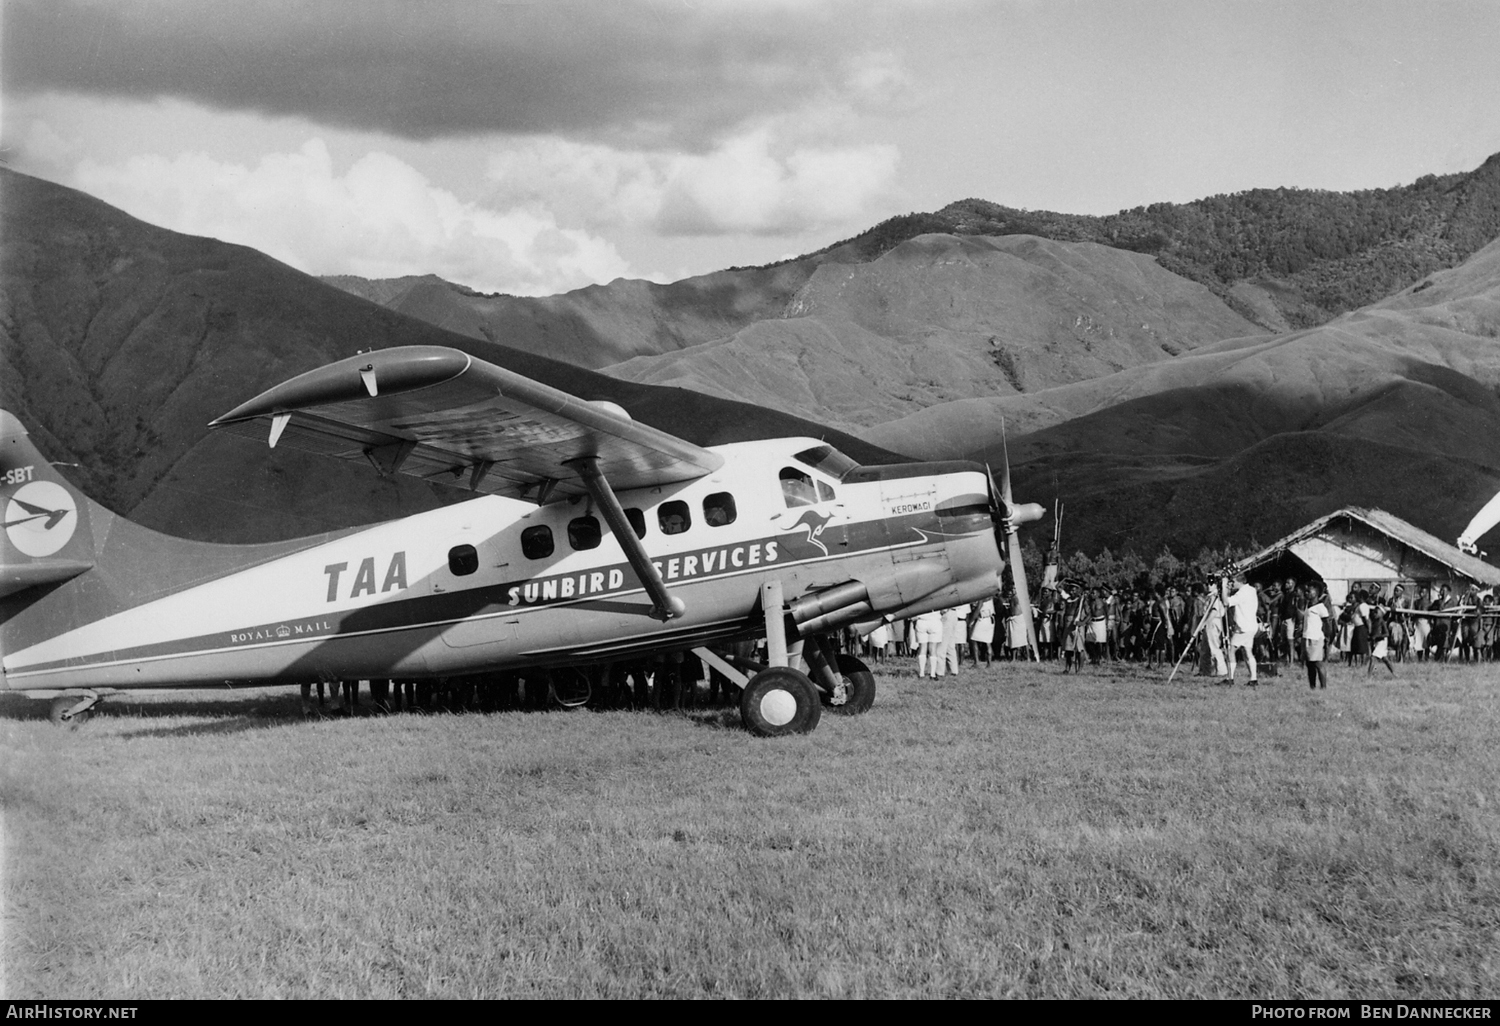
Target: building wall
1346 554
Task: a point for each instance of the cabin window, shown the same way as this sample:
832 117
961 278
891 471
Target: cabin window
825 492
583 532
463 560
718 509
674 517
536 542
637 521
797 488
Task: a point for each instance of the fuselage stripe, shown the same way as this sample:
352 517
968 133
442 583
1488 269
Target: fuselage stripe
146 654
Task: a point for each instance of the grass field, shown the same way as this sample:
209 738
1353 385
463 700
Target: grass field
1011 833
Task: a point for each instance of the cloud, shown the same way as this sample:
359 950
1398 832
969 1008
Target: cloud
751 184
583 183
877 81
45 146
638 74
744 187
379 219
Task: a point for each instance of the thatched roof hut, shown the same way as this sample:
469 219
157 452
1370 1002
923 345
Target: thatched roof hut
1368 546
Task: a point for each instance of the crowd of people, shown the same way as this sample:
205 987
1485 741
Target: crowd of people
1213 626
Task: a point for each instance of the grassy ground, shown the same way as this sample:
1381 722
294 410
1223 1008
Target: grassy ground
1012 832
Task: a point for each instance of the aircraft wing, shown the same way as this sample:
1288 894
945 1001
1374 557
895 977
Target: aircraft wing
441 414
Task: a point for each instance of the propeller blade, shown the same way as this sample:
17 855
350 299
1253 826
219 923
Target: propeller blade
1005 492
1014 517
1023 594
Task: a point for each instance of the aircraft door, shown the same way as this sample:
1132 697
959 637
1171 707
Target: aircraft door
458 574
456 564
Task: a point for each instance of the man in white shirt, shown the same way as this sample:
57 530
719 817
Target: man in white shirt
1244 607
1312 640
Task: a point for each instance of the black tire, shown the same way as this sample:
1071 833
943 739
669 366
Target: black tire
780 701
859 688
61 705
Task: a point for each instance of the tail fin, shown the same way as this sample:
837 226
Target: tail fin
47 534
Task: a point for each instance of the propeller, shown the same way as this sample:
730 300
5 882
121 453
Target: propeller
1015 516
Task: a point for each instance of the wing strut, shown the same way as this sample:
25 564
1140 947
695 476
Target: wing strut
665 605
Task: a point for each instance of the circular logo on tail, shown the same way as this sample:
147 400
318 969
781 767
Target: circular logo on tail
40 518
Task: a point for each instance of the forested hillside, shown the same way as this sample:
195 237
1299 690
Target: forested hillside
1311 254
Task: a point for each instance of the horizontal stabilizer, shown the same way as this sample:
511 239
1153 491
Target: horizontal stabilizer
14 578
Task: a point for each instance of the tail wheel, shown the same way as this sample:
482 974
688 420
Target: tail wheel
856 692
780 701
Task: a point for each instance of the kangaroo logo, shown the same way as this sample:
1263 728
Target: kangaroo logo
40 518
814 522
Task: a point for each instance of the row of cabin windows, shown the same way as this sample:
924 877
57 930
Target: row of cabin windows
675 517
586 532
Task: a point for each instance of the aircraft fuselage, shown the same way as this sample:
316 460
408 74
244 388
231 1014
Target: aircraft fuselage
496 583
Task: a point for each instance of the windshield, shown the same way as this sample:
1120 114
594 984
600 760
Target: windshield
827 459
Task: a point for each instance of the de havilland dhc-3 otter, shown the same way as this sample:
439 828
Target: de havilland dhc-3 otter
592 539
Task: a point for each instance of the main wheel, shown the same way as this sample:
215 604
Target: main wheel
58 713
570 687
778 701
856 691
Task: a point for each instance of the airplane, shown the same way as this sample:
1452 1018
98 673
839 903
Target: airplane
591 539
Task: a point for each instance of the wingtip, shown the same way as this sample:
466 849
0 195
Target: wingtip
400 369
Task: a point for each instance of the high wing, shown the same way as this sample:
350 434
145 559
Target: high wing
441 414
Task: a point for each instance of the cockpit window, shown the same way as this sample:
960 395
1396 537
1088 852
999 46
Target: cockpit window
827 459
797 488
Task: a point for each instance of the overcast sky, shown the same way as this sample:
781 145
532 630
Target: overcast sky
538 147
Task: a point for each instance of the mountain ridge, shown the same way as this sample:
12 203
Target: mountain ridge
1311 254
1277 260
943 317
